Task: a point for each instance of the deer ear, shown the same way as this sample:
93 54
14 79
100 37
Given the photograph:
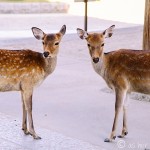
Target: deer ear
38 33
82 34
63 30
109 32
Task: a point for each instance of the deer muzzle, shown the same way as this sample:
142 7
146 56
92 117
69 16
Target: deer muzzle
96 60
46 54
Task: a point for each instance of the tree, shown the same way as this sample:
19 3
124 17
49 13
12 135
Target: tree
146 32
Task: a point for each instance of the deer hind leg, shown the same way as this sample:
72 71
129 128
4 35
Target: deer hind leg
27 97
124 129
24 118
120 96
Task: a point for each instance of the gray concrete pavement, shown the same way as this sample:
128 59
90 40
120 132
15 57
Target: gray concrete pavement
19 25
12 138
73 109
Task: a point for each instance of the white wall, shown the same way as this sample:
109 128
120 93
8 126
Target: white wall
131 11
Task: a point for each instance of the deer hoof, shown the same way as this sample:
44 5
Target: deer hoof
122 136
37 137
125 133
107 140
26 132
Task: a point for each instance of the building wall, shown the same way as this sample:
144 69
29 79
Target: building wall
131 11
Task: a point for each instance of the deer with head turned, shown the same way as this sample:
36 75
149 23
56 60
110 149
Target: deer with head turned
124 71
22 70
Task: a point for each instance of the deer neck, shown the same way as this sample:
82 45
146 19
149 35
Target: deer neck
50 64
100 67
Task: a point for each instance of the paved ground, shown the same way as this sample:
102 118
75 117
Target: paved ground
73 108
12 138
22 23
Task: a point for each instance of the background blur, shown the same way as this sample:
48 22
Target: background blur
119 10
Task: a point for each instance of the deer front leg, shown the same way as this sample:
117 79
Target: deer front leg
24 118
124 129
27 96
120 96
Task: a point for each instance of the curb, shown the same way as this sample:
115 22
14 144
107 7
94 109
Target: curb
33 7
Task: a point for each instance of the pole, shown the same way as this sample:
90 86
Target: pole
146 32
86 18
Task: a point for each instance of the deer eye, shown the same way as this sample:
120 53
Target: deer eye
57 43
102 45
43 43
88 45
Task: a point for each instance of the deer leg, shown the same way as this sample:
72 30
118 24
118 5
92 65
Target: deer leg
120 96
24 120
124 129
28 106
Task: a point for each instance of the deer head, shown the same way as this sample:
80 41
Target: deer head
50 41
95 42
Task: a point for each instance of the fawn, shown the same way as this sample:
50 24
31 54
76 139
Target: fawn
22 70
123 70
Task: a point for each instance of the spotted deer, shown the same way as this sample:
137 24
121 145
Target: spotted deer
22 70
124 71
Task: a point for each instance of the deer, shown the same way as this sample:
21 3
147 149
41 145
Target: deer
124 71
22 70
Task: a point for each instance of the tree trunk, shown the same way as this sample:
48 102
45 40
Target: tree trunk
146 32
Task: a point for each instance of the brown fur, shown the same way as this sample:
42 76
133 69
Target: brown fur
22 70
19 66
129 69
123 70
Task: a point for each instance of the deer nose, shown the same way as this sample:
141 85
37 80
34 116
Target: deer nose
96 60
46 54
